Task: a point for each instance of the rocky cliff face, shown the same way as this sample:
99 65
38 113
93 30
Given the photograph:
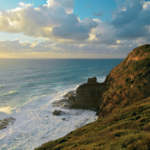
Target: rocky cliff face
89 93
128 82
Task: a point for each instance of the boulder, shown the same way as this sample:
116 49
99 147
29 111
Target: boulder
6 122
58 112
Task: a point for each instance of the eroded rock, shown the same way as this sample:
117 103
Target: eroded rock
92 80
6 122
88 95
58 112
85 97
69 94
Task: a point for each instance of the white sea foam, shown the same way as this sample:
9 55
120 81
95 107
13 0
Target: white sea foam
9 93
28 88
36 125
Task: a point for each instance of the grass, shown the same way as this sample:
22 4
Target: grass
119 87
128 81
141 64
125 129
142 49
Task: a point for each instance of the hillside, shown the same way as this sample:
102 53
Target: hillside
128 82
124 111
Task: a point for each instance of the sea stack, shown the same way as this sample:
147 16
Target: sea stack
88 94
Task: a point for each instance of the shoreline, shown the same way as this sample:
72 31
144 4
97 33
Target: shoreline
68 117
124 109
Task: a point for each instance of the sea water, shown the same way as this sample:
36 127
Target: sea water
28 87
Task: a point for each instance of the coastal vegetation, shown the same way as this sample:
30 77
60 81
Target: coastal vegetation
126 129
124 110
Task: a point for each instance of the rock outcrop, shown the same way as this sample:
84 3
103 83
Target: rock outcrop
88 95
58 112
92 80
6 122
126 84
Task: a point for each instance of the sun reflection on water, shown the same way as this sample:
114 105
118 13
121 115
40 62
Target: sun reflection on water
6 109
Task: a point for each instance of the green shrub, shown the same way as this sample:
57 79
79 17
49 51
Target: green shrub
128 141
128 71
141 64
119 87
137 52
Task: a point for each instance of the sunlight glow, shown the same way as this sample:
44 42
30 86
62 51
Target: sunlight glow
92 37
6 109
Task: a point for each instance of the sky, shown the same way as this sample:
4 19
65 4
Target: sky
73 28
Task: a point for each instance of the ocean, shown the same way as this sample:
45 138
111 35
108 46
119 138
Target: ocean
28 87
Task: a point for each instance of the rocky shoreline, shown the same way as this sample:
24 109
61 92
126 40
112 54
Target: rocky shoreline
85 97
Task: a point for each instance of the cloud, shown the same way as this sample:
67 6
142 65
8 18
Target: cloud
52 20
70 29
25 5
65 32
131 20
64 4
50 49
126 12
74 29
99 14
36 22
20 47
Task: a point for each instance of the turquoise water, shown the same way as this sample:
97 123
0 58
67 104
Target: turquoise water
29 86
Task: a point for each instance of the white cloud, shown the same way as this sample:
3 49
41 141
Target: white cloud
52 20
55 21
17 46
146 5
25 5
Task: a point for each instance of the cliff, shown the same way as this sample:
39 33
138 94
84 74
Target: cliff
128 82
88 94
123 102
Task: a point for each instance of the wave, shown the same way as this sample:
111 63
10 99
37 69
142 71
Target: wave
37 76
1 87
11 93
5 109
31 84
